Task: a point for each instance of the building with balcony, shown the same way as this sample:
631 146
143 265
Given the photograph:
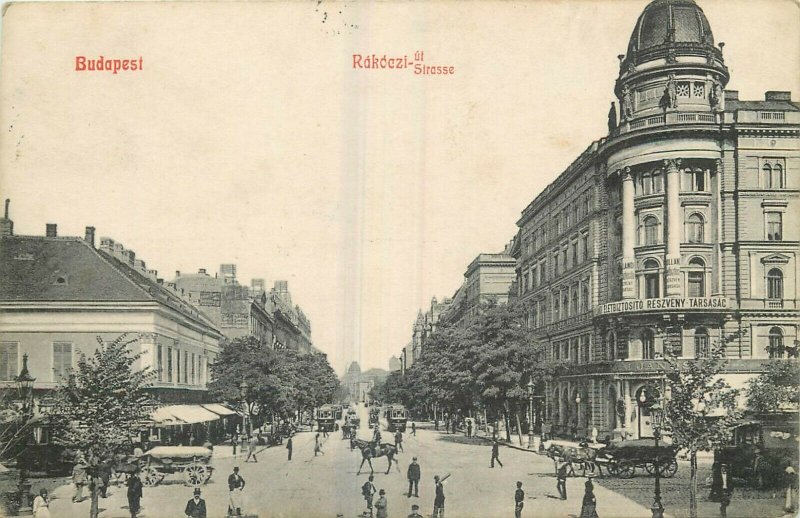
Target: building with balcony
676 230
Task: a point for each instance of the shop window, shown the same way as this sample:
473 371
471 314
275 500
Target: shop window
774 224
695 228
648 345
776 348
702 347
775 284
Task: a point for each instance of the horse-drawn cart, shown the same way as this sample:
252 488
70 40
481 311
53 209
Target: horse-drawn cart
622 459
193 463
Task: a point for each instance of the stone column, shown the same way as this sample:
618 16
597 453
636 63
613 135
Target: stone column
628 237
674 230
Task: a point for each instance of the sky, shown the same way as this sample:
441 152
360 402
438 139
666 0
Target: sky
249 138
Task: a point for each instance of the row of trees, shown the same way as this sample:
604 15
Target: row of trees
484 366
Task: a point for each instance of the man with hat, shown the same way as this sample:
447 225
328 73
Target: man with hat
382 505
196 507
415 512
413 476
438 500
235 486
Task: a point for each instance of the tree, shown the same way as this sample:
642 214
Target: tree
103 404
776 389
701 410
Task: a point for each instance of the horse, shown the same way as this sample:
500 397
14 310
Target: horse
367 454
583 457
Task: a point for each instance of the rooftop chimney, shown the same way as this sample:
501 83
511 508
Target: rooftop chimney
89 236
6 225
731 95
778 95
51 230
202 271
177 273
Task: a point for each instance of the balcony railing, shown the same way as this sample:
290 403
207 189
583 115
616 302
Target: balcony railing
670 118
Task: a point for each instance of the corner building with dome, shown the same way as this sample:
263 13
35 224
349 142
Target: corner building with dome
677 229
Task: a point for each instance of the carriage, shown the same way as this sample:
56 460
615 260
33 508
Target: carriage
623 458
581 458
193 463
396 418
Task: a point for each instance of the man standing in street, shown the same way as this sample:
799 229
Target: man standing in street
368 491
414 429
235 487
289 447
496 452
134 493
251 449
727 491
469 427
413 476
196 507
561 480
382 505
519 500
79 478
438 500
398 440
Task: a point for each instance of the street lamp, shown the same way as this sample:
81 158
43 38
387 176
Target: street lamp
657 420
577 412
530 411
25 390
243 386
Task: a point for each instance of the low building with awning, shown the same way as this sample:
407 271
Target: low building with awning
189 424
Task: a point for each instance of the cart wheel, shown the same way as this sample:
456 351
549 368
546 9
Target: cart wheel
669 470
613 467
626 469
650 467
150 476
195 475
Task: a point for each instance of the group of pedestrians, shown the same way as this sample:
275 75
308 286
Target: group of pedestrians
381 506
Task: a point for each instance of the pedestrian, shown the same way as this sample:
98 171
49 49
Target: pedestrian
79 478
235 487
519 500
134 493
251 449
234 442
318 446
398 440
790 483
381 505
196 506
414 429
727 491
469 427
413 476
496 452
438 500
561 480
41 504
589 505
289 447
436 424
105 476
415 512
368 490
324 430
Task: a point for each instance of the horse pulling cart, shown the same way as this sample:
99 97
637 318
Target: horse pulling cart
193 463
622 459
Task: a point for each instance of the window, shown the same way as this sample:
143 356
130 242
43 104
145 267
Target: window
160 362
648 345
574 246
611 345
62 359
556 308
651 280
774 226
767 177
585 297
534 276
556 269
772 176
702 347
585 247
776 348
573 353
647 183
193 364
651 230
698 90
682 89
169 364
564 258
178 362
777 177
775 284
186 367
695 228
696 278
9 368
575 300
698 180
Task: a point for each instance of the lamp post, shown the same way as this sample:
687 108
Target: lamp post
243 386
657 420
25 390
577 412
530 411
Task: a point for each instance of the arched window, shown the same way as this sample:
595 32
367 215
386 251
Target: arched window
767 176
702 348
696 278
776 348
695 228
556 308
611 345
777 177
575 300
647 183
651 280
651 230
648 345
585 297
775 284
565 304
657 185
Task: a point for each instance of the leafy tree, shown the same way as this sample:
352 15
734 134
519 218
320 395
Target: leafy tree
103 404
701 410
777 388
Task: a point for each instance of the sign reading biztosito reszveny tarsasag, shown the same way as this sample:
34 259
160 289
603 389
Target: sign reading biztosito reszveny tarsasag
665 304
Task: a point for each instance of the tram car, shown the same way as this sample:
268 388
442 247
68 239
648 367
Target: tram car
326 417
338 411
352 417
396 418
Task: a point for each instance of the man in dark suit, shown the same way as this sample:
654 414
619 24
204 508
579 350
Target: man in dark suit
196 507
413 478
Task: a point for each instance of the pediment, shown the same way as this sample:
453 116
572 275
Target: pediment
775 259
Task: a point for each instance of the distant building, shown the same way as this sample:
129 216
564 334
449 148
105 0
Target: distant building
357 385
395 364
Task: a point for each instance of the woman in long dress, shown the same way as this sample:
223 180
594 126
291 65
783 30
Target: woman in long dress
40 505
589 506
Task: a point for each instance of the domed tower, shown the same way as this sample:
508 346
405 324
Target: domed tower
671 64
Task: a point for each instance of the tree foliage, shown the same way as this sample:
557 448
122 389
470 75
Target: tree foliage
776 389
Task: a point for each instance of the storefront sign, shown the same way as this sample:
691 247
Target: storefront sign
666 304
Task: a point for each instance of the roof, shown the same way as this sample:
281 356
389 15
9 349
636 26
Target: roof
68 269
735 104
684 17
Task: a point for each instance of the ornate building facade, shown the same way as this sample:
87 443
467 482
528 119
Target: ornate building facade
678 229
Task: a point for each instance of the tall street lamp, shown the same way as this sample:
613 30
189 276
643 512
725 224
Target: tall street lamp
657 420
577 412
25 390
243 386
530 411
